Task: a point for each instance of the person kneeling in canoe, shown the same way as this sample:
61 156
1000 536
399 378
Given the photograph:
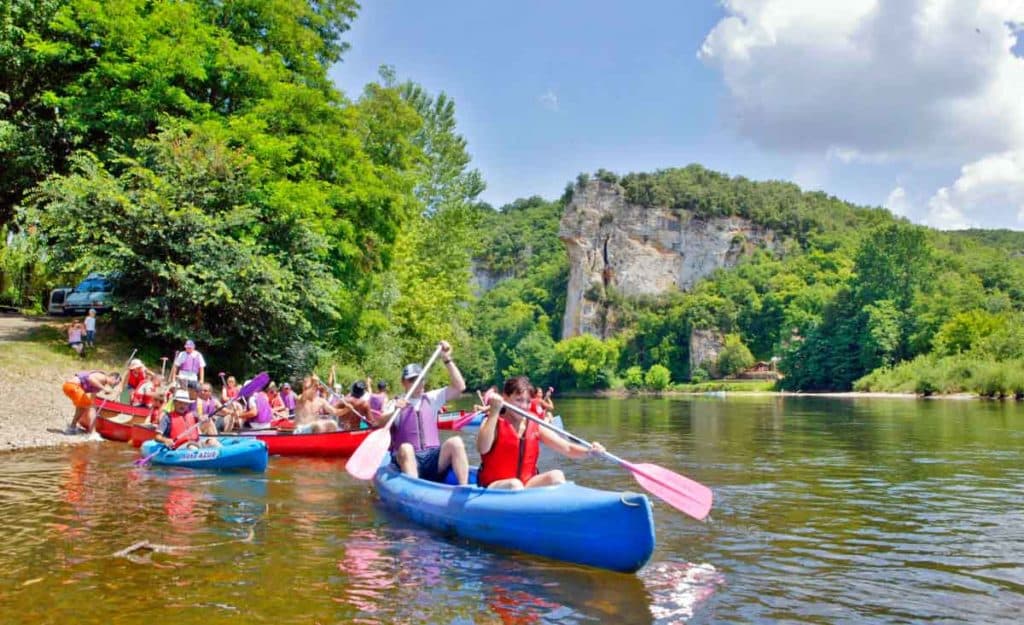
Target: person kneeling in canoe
312 411
180 427
415 442
509 444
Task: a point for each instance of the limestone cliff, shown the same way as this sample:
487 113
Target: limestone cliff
637 250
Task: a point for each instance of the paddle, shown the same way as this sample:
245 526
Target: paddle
366 459
461 422
680 492
345 401
254 385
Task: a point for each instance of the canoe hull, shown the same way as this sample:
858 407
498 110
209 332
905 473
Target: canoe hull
117 428
141 433
234 453
320 445
571 523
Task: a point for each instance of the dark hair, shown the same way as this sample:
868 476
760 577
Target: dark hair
358 388
516 385
382 385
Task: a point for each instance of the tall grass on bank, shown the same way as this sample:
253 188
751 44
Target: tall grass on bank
962 373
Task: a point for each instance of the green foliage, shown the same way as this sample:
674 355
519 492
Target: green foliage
98 76
658 378
633 378
208 260
21 271
966 329
734 357
587 362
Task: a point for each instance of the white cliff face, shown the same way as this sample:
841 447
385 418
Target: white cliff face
638 250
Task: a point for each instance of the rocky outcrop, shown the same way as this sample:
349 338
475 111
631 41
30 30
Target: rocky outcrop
634 250
705 346
485 280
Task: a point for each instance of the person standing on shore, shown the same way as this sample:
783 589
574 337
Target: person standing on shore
75 332
90 329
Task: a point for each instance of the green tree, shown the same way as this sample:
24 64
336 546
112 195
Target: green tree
658 378
735 357
586 361
200 253
633 377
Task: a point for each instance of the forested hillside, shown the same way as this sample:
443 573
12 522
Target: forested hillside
854 292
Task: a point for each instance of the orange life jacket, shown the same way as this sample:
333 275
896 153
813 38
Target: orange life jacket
511 456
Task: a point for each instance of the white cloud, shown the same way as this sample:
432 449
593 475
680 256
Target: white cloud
549 100
897 202
988 193
873 79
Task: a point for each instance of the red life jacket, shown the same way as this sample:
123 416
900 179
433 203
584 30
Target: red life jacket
135 378
536 408
511 456
181 423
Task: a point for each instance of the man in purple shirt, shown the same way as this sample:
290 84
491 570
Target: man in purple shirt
415 442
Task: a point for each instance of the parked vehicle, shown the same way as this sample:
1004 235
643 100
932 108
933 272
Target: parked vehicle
96 291
55 302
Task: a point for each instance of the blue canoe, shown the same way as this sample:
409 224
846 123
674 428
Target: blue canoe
568 522
233 453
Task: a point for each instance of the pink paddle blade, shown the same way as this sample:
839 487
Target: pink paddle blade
462 421
680 492
367 457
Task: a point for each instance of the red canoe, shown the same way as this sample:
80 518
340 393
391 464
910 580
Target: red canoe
117 427
110 408
325 444
142 432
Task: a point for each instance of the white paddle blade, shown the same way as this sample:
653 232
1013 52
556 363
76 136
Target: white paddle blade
367 458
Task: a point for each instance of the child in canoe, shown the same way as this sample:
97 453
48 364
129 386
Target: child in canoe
509 444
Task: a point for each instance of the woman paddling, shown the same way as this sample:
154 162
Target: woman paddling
509 444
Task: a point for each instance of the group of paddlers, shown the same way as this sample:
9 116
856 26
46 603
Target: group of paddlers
508 442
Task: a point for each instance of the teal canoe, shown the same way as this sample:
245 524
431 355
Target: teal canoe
233 453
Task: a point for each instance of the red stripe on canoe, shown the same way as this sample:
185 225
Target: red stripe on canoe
325 444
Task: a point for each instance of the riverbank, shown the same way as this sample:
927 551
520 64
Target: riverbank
34 362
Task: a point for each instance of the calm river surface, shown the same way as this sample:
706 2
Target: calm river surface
827 511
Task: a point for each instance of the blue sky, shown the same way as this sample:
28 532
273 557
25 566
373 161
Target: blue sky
862 103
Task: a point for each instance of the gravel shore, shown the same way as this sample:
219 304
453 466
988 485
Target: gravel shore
33 409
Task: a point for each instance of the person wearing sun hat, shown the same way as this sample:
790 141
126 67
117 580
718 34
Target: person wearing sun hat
189 365
137 376
180 426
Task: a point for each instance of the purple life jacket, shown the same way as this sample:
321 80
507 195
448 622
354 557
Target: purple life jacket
191 363
87 385
418 427
264 414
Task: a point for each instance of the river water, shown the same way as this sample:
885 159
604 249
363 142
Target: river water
827 511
